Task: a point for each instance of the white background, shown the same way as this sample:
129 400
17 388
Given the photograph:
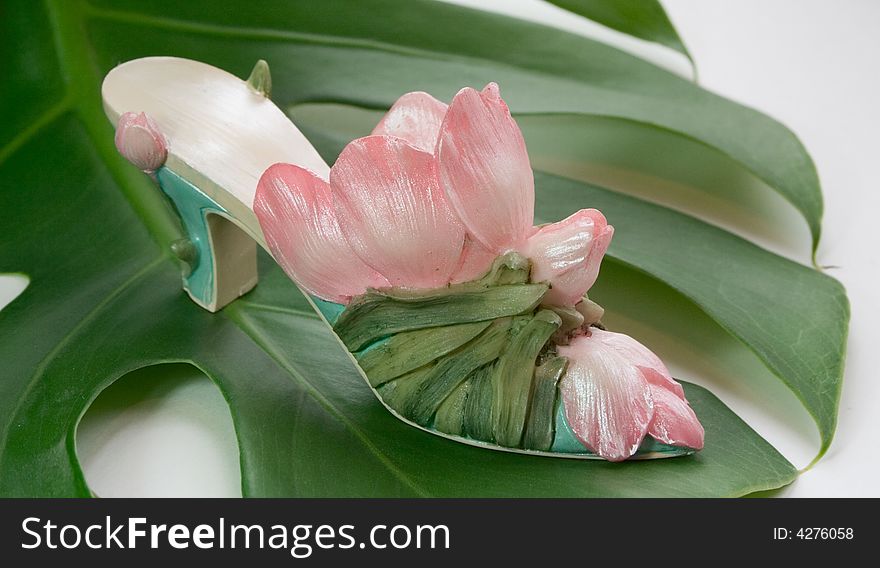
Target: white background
810 64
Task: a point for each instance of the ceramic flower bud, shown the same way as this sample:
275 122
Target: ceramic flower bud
568 254
139 140
616 391
484 169
295 210
651 365
674 421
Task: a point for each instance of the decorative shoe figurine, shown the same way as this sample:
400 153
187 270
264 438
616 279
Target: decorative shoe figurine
418 248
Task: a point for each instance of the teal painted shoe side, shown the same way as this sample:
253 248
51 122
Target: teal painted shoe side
220 259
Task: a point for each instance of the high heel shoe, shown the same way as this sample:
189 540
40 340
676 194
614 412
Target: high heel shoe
466 321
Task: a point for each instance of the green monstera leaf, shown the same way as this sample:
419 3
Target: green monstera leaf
644 19
104 298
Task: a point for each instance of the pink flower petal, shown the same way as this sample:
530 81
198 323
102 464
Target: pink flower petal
393 213
295 211
601 241
484 169
415 117
475 261
651 365
139 140
559 247
567 254
606 398
674 421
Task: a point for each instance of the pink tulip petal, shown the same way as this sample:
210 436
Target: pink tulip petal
558 247
597 253
139 140
606 398
393 213
653 368
475 261
484 169
415 117
567 289
295 211
674 421
567 254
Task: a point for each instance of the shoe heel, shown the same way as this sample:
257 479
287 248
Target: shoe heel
220 134
219 258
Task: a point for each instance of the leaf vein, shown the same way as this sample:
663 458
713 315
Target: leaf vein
41 122
241 320
93 313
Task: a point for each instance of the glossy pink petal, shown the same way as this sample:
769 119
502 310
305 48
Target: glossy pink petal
651 365
393 213
559 247
475 261
601 242
674 421
295 211
484 169
606 398
415 117
139 140
567 254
